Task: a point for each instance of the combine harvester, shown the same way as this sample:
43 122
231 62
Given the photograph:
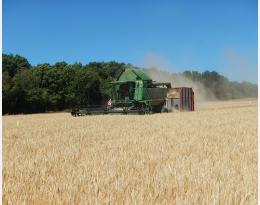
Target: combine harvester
135 92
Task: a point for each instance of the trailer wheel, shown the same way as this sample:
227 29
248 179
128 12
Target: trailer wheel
164 110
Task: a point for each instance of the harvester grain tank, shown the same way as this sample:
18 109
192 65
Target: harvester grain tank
135 92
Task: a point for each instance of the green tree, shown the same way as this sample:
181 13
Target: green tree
87 87
12 64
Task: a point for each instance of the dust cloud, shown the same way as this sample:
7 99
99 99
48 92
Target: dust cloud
201 94
160 70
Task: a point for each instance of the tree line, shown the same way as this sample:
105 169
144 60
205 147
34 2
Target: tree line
221 87
45 87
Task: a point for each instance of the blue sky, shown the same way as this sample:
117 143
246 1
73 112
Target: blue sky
175 35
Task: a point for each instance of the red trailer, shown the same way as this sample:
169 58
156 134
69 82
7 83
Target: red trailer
180 98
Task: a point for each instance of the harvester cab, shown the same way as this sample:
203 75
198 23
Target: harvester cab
123 92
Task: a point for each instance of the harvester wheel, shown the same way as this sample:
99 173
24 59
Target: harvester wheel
157 108
148 110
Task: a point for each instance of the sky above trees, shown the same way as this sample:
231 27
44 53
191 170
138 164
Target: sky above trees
173 35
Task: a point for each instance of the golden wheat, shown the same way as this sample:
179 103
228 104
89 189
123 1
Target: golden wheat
203 157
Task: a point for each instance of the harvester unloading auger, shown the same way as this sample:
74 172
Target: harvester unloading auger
135 92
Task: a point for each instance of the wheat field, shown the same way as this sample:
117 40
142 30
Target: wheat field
204 157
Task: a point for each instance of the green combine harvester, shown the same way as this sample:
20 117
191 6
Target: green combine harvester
135 92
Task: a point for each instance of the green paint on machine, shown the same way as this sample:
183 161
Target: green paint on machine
135 89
